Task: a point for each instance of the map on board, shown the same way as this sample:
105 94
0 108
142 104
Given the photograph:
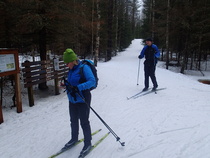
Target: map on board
7 62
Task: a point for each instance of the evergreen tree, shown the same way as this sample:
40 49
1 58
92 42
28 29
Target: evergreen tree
181 27
43 25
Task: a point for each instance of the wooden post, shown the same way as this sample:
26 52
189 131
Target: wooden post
30 90
56 86
17 93
1 114
31 96
56 81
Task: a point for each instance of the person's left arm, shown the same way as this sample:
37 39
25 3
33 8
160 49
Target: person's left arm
90 79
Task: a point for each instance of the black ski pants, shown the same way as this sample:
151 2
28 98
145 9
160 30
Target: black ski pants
81 111
149 71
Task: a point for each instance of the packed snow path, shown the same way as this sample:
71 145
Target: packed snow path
174 123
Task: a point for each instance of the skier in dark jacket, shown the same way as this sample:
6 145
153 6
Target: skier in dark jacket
151 54
78 109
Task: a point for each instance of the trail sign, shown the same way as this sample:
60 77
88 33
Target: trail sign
9 65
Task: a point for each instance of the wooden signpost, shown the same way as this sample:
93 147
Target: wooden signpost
9 65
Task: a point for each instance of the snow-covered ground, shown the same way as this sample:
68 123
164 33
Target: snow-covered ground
174 123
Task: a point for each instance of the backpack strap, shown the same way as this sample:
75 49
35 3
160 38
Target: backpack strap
81 72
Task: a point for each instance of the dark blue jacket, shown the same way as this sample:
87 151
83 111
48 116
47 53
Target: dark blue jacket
151 54
74 76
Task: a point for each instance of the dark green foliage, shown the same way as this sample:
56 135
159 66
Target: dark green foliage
55 25
189 29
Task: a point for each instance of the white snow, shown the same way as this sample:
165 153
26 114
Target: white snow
174 123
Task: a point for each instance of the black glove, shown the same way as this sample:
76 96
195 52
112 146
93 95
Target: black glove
74 91
139 56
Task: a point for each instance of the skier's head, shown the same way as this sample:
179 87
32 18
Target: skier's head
149 41
69 56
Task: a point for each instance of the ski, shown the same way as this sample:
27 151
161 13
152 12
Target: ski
135 95
148 92
94 145
67 148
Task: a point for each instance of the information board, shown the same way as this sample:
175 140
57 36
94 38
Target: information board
7 62
9 65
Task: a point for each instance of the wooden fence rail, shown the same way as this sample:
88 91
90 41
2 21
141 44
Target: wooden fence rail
42 71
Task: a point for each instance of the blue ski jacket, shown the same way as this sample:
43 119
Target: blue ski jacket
151 54
74 76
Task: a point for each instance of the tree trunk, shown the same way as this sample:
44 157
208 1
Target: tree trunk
97 33
92 38
167 35
185 59
109 41
199 52
43 55
116 27
133 18
153 19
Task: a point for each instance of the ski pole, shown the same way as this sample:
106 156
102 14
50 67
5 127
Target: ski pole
107 126
138 72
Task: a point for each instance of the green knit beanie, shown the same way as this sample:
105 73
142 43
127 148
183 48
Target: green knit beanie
69 56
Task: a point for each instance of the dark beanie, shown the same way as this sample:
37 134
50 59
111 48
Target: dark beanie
149 39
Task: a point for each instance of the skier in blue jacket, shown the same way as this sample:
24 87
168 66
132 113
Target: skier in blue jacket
78 109
151 54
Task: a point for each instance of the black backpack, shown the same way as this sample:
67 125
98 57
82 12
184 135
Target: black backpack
94 71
